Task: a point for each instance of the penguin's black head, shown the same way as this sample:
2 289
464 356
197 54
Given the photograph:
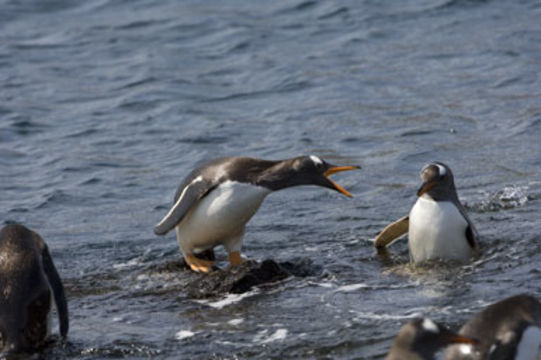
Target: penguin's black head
438 181
312 170
425 337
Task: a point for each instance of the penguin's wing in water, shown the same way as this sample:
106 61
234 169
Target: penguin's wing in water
191 193
58 291
392 232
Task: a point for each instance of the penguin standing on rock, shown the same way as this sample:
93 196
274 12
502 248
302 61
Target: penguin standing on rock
215 201
438 225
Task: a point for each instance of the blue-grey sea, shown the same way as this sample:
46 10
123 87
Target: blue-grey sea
105 105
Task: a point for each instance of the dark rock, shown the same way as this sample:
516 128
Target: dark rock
302 267
237 280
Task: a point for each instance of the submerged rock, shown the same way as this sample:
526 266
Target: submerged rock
236 280
242 278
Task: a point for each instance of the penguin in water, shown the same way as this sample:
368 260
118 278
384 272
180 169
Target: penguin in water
438 226
29 284
216 200
422 338
507 330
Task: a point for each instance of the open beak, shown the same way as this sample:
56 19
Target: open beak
337 169
425 187
459 339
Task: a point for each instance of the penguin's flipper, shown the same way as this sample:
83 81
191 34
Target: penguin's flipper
472 236
190 194
58 291
392 232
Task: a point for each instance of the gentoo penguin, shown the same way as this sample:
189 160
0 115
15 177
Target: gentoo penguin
438 226
216 200
507 330
420 339
29 284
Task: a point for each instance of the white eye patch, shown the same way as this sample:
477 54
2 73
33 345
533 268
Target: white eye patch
466 349
316 160
442 169
430 325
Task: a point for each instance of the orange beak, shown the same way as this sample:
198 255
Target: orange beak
459 339
337 169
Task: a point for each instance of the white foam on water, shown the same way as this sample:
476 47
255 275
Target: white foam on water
228 343
517 195
184 334
509 197
352 287
278 335
374 316
236 321
322 284
131 263
228 300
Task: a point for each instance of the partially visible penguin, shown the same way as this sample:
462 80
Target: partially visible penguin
29 284
216 200
509 329
421 339
438 226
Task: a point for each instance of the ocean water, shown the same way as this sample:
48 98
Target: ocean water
106 105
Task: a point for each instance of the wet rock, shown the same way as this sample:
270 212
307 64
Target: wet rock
242 278
237 280
302 267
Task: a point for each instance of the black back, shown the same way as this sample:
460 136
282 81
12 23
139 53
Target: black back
494 325
27 277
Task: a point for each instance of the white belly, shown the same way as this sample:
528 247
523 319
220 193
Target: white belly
437 230
221 215
528 347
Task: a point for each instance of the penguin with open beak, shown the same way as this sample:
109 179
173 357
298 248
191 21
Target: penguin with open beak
422 338
216 200
438 226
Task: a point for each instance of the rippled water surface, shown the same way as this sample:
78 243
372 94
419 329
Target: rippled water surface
106 105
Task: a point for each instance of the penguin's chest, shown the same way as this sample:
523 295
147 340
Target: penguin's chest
221 214
437 230
38 325
528 346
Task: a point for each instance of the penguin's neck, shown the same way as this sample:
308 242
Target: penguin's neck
442 194
279 176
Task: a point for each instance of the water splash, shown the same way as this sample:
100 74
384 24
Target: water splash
509 197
